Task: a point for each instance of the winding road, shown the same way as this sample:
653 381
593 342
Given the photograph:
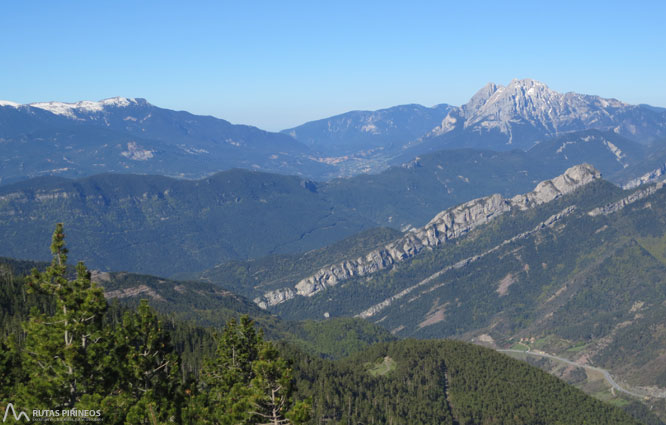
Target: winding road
604 372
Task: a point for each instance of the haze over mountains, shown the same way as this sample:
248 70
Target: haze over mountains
362 141
132 136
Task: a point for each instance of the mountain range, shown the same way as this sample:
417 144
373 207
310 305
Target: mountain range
125 135
516 116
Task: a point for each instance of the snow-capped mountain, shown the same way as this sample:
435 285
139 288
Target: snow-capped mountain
526 111
132 136
85 109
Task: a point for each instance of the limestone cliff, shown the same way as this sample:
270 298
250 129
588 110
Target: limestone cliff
447 225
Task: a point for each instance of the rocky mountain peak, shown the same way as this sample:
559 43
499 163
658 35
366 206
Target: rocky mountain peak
527 110
480 98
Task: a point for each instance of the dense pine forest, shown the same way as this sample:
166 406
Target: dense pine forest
65 347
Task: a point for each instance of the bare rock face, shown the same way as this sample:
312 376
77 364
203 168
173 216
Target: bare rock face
445 226
275 297
527 110
141 290
549 190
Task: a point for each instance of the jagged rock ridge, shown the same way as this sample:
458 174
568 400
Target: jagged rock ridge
371 311
447 225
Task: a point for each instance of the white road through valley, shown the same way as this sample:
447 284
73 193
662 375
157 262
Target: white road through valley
604 372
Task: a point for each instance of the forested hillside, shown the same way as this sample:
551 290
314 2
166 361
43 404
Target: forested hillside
65 347
582 276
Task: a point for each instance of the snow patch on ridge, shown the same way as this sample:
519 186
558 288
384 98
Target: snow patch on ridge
70 109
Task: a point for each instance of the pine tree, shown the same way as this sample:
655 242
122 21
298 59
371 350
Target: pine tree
271 387
10 368
247 382
227 376
147 368
64 353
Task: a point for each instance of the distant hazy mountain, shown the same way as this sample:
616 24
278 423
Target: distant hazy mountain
516 116
369 132
133 136
609 152
526 111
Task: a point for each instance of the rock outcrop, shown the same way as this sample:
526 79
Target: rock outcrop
550 222
275 297
445 226
650 177
634 197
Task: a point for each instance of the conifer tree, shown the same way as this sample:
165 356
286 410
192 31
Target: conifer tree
227 375
247 382
271 387
147 368
10 368
64 354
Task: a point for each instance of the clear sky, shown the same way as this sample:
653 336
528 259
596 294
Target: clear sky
277 64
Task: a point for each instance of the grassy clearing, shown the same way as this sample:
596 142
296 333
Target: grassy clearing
520 346
577 347
381 367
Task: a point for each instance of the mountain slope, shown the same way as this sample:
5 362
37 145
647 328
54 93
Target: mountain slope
581 276
445 228
355 132
133 136
164 226
608 152
400 382
444 382
201 307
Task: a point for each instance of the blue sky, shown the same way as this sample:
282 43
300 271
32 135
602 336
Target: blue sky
279 64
